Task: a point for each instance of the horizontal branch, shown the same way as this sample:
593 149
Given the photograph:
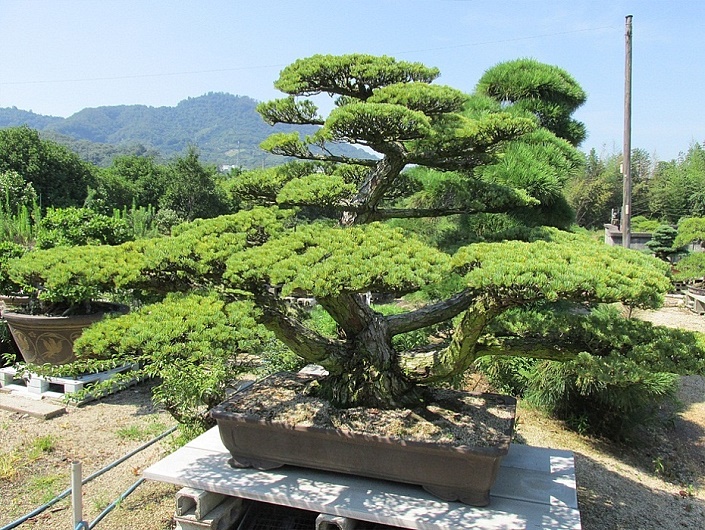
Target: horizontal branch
533 349
430 314
305 342
422 366
399 213
367 162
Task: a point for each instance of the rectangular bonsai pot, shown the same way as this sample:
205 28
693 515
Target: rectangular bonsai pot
447 471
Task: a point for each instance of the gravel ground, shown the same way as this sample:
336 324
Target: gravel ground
96 434
657 484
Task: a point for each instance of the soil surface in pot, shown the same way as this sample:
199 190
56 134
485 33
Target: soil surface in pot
451 417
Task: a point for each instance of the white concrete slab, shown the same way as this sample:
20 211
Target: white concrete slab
535 490
33 407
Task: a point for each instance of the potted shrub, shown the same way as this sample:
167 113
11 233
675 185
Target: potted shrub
691 269
53 314
342 224
57 311
11 294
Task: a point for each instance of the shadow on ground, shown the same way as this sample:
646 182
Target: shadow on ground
617 502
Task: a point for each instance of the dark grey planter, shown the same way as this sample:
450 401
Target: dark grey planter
451 473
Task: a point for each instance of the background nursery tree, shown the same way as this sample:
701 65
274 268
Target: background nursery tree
59 176
337 227
662 243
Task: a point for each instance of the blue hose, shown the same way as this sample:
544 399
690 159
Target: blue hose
65 493
115 503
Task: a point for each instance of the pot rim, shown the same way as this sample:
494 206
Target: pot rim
28 317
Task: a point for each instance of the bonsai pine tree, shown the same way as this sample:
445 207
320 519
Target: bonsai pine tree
692 266
662 243
393 109
338 226
690 230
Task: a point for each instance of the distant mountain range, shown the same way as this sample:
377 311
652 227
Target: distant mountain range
225 128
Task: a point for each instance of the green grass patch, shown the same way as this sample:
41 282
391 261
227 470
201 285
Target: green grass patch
141 432
8 465
45 487
40 446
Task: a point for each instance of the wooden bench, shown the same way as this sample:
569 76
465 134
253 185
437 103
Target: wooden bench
535 489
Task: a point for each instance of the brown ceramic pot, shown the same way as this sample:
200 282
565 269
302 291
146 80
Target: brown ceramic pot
449 472
49 339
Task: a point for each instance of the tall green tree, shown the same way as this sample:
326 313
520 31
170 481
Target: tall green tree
690 230
58 175
677 187
596 191
132 180
192 189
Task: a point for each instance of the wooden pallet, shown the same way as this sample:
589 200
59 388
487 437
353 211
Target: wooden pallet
39 387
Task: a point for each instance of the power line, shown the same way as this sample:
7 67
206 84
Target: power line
502 41
139 76
258 67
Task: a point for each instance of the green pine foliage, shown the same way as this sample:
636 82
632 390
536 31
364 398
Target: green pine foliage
463 234
606 397
197 345
607 380
662 243
326 261
543 90
362 74
316 190
562 266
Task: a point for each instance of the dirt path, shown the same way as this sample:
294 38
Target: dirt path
36 457
673 315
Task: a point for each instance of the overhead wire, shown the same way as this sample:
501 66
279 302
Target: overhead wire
255 67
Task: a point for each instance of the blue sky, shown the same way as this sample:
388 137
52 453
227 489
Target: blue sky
59 56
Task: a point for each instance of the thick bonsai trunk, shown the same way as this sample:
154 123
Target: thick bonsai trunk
372 190
369 374
463 350
364 367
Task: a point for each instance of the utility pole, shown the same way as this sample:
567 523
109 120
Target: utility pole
627 148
